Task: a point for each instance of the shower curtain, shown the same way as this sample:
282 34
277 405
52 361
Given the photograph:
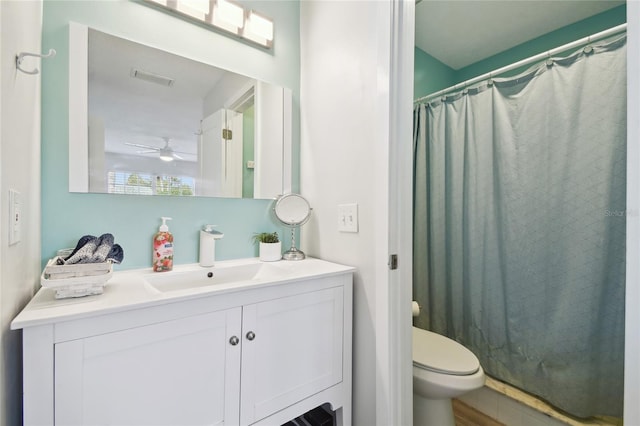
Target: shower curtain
519 218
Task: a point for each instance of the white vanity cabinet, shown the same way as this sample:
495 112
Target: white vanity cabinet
170 373
296 350
261 355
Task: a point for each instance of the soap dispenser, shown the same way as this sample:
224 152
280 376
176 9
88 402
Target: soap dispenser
208 237
163 248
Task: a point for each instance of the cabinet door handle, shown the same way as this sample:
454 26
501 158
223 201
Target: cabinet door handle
251 335
234 340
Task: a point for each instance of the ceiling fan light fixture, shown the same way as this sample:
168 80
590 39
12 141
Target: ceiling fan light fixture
166 154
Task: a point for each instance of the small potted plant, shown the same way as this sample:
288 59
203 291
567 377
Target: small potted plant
270 246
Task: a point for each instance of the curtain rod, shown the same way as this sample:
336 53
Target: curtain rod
598 36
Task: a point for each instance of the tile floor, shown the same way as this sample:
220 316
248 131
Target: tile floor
513 407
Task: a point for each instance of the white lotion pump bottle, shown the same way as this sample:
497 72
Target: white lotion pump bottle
208 237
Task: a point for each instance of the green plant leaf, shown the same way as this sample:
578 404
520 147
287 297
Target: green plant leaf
266 237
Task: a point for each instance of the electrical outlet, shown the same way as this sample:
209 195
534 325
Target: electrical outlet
348 217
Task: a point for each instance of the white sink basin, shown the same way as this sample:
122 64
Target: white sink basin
173 281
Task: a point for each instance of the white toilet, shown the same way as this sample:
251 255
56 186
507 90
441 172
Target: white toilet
442 369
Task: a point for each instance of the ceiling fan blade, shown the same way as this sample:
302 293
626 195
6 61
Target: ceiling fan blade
177 156
146 152
185 153
137 145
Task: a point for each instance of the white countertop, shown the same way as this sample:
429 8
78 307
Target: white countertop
131 289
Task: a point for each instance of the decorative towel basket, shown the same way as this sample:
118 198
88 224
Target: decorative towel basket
76 280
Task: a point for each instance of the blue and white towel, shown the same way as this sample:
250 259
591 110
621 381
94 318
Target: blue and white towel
92 249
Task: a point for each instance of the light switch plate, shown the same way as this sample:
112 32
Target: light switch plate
15 217
348 217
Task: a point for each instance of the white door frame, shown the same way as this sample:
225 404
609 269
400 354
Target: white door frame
394 385
632 296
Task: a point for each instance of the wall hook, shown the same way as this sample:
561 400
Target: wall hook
20 56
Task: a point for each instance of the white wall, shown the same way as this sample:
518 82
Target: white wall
21 24
337 161
344 99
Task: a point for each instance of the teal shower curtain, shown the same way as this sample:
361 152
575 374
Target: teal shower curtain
519 221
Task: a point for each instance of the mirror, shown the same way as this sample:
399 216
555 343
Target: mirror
293 210
149 122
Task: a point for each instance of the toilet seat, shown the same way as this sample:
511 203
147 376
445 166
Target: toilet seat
437 353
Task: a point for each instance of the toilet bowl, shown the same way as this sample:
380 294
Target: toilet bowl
442 369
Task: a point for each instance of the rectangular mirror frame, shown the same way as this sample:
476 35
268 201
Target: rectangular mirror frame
78 118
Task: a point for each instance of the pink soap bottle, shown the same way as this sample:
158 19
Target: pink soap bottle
163 248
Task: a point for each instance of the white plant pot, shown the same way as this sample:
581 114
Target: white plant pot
271 252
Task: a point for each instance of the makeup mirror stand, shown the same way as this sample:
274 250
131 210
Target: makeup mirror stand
293 253
292 210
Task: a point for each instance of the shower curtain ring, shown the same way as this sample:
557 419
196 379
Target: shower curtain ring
490 81
549 60
588 48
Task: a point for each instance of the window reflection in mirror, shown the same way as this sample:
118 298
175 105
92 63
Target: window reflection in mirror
161 124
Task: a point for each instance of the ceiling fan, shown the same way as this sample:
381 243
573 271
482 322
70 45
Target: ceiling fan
166 152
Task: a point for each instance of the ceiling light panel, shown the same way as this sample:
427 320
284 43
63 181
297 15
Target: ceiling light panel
258 29
225 15
228 15
198 9
151 77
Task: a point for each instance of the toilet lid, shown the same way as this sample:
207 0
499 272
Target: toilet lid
438 353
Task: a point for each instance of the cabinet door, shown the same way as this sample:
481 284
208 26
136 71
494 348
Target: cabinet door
296 351
179 372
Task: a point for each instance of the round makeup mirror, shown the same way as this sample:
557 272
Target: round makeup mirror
293 210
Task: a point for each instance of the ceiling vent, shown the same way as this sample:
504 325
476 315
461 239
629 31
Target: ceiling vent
151 77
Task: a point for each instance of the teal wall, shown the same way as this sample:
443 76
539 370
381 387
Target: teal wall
584 28
432 75
134 219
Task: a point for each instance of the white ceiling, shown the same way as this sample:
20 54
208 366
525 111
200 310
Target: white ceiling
461 32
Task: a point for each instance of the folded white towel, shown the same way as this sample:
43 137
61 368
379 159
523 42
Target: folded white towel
79 291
